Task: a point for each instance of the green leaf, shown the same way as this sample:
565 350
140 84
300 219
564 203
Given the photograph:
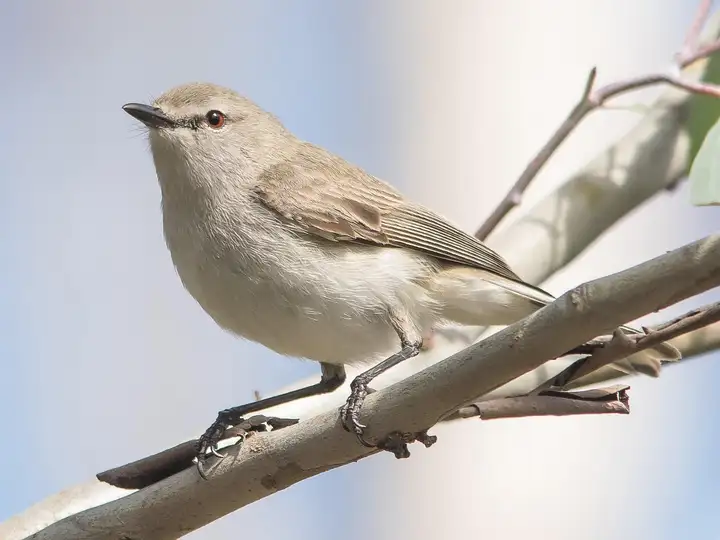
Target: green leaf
704 130
704 110
705 170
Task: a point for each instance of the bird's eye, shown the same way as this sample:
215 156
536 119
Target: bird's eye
216 119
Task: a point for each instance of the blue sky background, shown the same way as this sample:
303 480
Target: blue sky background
105 357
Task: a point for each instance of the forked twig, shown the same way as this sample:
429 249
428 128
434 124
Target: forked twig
594 98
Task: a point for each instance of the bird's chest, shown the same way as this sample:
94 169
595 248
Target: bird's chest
224 271
258 288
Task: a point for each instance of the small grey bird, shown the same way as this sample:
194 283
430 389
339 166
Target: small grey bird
285 244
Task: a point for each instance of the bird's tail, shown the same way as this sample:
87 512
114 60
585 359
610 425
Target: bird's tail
475 297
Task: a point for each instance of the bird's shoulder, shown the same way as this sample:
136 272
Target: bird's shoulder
327 195
321 194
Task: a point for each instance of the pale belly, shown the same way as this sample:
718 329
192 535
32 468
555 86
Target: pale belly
329 333
303 314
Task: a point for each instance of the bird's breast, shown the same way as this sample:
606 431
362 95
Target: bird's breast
325 302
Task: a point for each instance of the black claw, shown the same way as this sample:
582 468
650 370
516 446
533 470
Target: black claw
227 426
395 442
208 443
201 469
209 440
350 419
350 412
364 442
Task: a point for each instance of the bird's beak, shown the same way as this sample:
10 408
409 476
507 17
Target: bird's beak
152 117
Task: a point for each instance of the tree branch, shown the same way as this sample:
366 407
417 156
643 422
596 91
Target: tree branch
623 345
94 493
600 353
593 99
691 47
612 400
589 370
698 342
651 158
269 462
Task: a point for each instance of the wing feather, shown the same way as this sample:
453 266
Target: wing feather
321 194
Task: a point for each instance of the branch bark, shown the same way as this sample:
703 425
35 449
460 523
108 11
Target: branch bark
95 493
269 462
612 400
598 353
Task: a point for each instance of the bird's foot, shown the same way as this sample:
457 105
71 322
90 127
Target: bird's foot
228 425
208 441
396 442
350 412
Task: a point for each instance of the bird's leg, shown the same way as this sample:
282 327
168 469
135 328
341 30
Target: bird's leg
350 412
332 377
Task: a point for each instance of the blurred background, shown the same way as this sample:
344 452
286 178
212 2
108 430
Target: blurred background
105 358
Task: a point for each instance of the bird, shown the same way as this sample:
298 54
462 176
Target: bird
285 244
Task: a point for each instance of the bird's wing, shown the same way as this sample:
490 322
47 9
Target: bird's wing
323 195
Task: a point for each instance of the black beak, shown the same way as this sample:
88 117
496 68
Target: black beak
152 117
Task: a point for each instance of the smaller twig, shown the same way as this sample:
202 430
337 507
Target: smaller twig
514 196
692 38
698 342
703 52
622 345
151 469
612 400
601 95
593 99
692 320
589 85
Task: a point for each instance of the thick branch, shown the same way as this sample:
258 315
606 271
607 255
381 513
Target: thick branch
601 352
270 462
95 493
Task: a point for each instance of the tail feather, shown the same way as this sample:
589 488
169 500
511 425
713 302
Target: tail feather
477 298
